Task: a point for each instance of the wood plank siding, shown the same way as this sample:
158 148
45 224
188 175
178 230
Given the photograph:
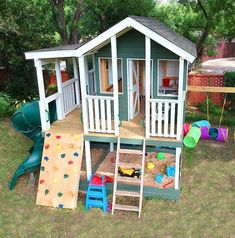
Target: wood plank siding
132 45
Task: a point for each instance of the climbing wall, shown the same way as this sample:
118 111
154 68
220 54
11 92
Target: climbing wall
60 170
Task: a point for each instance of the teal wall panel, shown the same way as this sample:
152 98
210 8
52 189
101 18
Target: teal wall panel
132 45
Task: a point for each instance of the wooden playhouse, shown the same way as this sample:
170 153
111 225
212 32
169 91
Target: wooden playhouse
128 90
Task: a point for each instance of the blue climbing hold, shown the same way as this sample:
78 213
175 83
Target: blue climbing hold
46 158
60 205
75 154
48 134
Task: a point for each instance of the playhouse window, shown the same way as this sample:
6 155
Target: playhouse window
168 75
106 77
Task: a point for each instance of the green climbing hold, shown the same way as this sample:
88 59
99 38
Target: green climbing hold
66 175
46 191
160 156
62 156
42 168
60 194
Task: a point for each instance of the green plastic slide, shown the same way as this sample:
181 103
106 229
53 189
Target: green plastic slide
26 120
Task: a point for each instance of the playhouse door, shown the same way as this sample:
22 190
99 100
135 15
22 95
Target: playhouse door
134 93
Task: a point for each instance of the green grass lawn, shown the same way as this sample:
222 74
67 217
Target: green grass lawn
206 207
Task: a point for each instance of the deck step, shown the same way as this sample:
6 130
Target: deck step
95 194
128 179
127 193
126 207
127 151
129 165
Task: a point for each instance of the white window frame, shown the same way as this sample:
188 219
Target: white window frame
109 58
158 80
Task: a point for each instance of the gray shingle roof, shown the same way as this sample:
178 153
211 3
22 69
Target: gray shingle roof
167 33
62 47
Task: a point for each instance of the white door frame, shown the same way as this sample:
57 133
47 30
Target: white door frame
129 83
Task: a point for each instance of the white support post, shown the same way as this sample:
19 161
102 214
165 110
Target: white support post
88 159
43 106
77 86
59 101
115 83
82 71
147 84
111 147
177 167
180 99
87 75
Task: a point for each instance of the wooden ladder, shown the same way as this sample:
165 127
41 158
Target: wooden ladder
119 179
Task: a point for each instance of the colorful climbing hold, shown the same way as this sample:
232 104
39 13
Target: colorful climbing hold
58 137
46 158
48 134
74 170
55 180
62 156
42 181
70 162
60 194
46 191
75 154
47 146
60 205
66 175
58 147
71 146
42 168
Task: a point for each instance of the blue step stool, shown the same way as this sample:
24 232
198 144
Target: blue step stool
96 196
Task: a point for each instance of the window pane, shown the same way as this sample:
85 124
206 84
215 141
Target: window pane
106 75
168 76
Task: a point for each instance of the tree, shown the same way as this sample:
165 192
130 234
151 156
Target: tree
202 21
85 18
24 26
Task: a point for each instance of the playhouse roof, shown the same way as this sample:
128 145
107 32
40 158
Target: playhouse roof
150 27
167 33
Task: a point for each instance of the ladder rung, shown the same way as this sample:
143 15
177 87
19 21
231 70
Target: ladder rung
126 207
129 165
127 193
128 179
95 194
127 151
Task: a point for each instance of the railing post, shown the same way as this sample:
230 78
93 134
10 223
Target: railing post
59 101
115 83
147 83
82 71
177 167
77 86
180 99
43 106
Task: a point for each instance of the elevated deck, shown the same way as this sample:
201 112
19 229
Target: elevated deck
129 131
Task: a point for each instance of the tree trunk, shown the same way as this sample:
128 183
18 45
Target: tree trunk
205 33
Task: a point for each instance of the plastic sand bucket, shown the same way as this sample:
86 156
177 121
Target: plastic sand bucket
201 123
192 138
205 132
186 128
222 134
170 171
159 178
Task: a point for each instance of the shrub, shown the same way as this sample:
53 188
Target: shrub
213 109
229 81
6 105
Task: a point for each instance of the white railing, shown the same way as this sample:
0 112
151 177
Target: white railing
69 95
100 114
163 119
